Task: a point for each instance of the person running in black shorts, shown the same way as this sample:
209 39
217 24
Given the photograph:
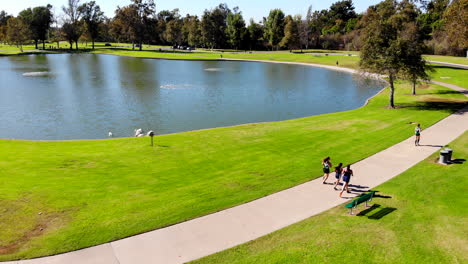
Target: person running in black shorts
347 173
417 133
326 168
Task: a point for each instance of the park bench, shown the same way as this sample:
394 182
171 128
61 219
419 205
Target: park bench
361 199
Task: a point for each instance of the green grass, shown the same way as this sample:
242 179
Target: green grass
91 192
451 75
424 221
450 59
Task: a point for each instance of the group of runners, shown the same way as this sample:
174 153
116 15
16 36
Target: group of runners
341 173
345 173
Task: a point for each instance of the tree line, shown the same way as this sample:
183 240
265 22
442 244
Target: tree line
440 24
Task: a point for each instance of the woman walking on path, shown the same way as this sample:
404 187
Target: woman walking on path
347 173
417 133
326 169
338 170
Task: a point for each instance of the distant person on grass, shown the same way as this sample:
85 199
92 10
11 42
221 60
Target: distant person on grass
326 169
347 173
338 170
417 133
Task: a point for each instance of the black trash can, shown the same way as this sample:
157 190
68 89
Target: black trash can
443 156
449 155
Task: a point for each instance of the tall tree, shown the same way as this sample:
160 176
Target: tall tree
17 32
274 28
387 42
235 28
305 29
38 20
3 25
213 26
173 33
92 17
291 39
140 23
256 32
72 28
456 18
192 31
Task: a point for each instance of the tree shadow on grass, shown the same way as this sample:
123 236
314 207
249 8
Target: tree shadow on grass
438 105
447 92
439 66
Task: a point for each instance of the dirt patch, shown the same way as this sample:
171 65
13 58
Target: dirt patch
45 222
76 164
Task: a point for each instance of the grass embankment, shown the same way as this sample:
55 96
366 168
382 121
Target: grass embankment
61 196
418 217
449 59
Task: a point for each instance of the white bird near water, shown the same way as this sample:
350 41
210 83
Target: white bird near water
139 132
110 134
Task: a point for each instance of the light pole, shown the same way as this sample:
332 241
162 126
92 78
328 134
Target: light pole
151 134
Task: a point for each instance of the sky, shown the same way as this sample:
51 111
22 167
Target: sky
256 9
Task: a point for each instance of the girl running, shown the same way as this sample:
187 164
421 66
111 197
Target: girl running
347 173
338 170
326 169
417 133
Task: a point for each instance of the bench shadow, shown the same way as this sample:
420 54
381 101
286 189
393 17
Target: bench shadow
381 213
368 210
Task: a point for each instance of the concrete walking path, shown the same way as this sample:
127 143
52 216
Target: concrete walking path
213 233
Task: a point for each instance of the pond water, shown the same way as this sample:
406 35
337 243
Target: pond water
84 96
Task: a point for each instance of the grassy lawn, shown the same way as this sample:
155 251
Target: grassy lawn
61 196
450 75
422 219
450 59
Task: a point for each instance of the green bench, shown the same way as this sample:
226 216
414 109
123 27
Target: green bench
361 199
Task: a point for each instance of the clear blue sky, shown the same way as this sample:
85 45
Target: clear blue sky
250 8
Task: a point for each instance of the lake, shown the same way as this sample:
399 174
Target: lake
84 96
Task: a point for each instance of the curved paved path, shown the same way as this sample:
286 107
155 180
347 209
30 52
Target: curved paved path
212 233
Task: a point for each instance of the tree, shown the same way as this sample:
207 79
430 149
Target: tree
173 33
456 18
3 25
305 29
291 38
191 30
17 32
255 32
274 28
388 43
140 23
38 20
213 26
235 28
92 17
71 28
